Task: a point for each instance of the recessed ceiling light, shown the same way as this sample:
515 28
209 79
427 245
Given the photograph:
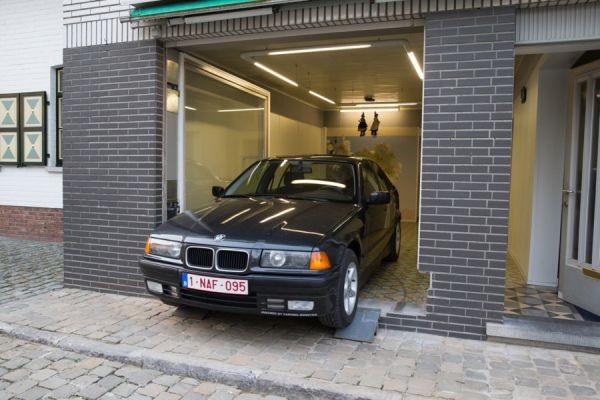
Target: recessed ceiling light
240 109
359 110
321 97
381 105
275 73
319 49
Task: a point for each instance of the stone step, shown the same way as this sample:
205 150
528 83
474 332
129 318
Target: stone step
548 332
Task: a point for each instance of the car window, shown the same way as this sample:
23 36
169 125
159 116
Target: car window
293 178
386 183
371 183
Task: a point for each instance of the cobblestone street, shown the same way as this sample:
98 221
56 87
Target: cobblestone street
31 371
28 268
400 364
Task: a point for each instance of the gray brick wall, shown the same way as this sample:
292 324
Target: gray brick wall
467 130
112 119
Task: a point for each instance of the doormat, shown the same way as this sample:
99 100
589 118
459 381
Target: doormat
363 328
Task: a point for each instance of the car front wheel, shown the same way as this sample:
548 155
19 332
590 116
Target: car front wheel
347 294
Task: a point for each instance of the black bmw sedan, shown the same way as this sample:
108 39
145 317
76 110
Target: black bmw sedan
294 236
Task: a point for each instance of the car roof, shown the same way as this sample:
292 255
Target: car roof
321 157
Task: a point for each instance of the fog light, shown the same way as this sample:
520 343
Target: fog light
154 286
300 305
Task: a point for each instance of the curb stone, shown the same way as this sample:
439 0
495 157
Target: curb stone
268 382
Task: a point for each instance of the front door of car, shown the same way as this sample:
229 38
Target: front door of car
375 216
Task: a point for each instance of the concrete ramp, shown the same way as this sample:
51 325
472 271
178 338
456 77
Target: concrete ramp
363 328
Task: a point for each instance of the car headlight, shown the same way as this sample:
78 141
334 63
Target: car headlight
163 248
284 259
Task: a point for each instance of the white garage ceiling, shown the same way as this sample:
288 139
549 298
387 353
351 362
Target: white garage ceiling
343 76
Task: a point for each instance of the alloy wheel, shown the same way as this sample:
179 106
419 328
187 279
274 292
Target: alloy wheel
350 288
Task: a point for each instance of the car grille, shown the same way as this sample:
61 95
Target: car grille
228 300
232 260
200 257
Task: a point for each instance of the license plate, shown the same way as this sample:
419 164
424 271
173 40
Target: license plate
213 284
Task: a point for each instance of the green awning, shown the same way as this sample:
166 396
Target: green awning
180 8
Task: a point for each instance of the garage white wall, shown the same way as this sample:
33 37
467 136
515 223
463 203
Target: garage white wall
31 41
293 137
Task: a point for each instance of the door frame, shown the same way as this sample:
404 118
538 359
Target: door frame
225 77
578 75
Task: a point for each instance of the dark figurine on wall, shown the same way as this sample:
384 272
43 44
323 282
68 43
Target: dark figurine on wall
375 125
362 125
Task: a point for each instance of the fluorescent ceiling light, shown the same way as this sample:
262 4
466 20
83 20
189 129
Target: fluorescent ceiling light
319 49
274 73
241 109
348 110
190 108
321 97
381 105
415 63
257 12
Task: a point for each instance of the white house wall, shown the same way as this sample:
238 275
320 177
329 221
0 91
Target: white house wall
31 41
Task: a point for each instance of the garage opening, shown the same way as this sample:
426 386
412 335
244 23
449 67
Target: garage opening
356 93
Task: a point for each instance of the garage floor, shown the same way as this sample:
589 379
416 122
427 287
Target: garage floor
399 282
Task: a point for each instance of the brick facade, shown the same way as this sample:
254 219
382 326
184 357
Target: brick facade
33 223
467 139
112 119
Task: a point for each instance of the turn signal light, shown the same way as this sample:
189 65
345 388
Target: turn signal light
147 248
319 261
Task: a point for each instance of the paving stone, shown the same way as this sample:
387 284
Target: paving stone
151 390
92 391
34 393
21 386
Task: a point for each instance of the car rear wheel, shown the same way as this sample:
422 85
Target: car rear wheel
394 247
347 294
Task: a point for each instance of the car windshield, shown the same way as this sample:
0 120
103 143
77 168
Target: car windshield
297 179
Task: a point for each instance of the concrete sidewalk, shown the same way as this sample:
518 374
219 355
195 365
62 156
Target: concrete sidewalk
296 356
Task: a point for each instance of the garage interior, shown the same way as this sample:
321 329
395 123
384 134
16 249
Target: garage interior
302 96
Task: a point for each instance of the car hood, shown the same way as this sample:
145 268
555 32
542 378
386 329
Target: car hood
252 220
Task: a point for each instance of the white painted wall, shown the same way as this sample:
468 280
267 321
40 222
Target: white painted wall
292 137
31 41
548 177
523 156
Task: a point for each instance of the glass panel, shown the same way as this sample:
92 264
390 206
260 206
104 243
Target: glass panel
595 138
589 234
579 168
224 134
298 179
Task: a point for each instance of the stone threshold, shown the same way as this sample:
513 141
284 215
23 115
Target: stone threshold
546 332
274 383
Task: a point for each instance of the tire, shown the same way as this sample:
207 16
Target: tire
394 246
340 317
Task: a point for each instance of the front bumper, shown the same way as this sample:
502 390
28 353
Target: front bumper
268 293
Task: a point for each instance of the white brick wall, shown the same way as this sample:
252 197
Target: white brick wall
31 41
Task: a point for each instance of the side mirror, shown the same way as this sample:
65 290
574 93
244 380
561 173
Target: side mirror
218 191
379 198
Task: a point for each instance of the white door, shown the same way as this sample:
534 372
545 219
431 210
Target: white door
579 274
